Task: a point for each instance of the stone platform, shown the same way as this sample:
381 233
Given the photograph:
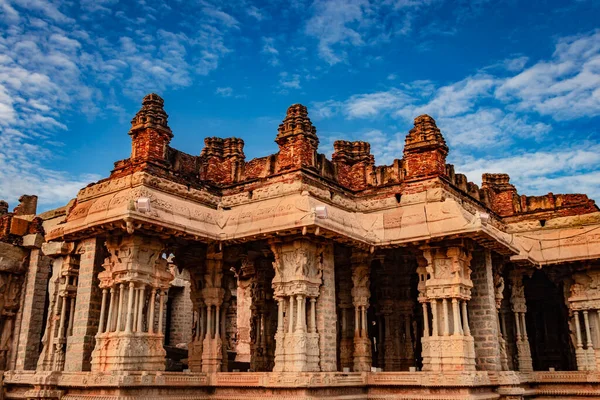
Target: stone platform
479 385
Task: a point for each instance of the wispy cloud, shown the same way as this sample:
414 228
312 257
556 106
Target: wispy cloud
289 81
52 63
268 48
565 87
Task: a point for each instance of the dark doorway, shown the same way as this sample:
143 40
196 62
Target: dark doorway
547 324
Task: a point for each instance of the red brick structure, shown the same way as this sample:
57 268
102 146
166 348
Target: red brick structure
294 276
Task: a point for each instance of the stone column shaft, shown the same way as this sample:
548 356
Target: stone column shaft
465 315
140 319
446 317
102 310
425 320
456 314
129 320
151 315
578 329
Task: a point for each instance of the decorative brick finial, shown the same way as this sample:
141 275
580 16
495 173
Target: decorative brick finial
425 135
151 115
297 140
296 122
425 150
150 132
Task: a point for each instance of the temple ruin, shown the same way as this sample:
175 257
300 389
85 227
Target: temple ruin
295 276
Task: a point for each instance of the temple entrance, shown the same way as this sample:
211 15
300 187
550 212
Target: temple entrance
547 324
395 317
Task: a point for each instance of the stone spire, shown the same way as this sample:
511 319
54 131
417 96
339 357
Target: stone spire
297 140
150 131
152 115
425 150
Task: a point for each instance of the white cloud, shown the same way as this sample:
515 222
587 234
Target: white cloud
224 91
340 25
332 23
367 105
558 170
565 87
256 13
52 65
454 99
289 81
269 49
371 105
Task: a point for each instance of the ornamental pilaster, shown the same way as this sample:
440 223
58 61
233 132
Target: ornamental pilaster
62 255
584 306
518 306
298 277
498 297
445 289
361 293
213 295
135 273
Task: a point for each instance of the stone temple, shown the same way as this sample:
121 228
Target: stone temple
293 276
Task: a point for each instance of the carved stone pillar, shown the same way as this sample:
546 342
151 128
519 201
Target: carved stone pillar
60 252
361 273
445 282
64 309
345 308
262 310
584 302
213 294
134 272
498 296
519 308
192 258
298 277
405 327
83 317
405 307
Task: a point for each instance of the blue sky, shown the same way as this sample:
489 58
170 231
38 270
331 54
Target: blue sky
513 85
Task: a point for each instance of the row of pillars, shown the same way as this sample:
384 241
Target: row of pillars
134 311
458 328
208 322
586 356
294 307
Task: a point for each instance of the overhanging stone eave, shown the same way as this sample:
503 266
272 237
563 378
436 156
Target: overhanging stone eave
483 235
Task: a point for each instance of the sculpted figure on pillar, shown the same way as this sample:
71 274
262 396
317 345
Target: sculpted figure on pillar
361 272
498 297
134 274
298 277
519 308
445 283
